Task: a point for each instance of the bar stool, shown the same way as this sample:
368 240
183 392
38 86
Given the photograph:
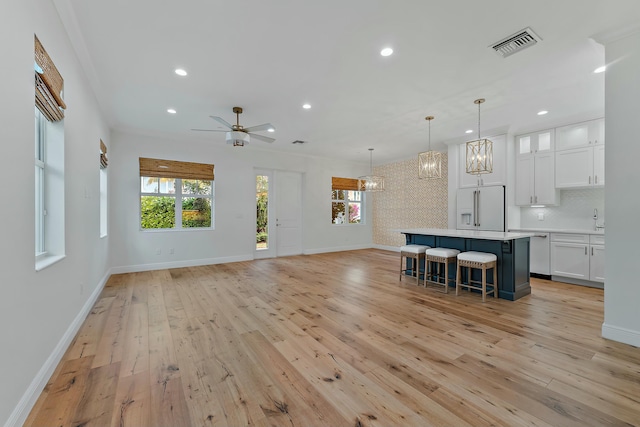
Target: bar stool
439 256
416 253
482 261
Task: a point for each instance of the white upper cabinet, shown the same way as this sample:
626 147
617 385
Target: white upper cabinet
498 177
535 169
578 135
537 142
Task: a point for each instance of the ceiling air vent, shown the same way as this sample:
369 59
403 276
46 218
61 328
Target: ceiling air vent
298 141
516 42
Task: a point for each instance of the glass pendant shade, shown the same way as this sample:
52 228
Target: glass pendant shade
371 182
479 156
430 162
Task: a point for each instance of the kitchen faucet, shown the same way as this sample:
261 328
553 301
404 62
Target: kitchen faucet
597 226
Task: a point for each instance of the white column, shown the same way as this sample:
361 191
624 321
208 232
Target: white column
622 200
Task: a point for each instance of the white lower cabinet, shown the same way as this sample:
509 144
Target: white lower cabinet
579 256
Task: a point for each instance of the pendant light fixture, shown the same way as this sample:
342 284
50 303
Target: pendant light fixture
430 162
371 182
480 151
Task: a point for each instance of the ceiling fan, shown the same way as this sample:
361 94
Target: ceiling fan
238 135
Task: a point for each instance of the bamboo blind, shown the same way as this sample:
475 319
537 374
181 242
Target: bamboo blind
344 184
175 169
103 155
49 85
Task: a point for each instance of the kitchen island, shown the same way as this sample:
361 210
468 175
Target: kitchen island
512 250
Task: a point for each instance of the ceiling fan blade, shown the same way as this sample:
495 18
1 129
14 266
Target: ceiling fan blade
261 138
265 126
210 130
222 121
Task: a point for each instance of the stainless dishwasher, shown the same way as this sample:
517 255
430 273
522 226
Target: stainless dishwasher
539 258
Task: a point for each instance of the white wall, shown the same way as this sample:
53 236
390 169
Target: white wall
38 308
622 92
234 235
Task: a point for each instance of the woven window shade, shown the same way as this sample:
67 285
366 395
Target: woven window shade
103 155
175 169
49 85
344 184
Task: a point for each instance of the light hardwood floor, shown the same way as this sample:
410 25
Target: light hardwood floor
335 340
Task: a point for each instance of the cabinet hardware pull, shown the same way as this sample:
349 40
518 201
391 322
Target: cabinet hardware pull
536 198
589 179
596 179
592 251
585 250
530 199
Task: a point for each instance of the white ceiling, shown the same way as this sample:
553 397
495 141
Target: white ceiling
270 57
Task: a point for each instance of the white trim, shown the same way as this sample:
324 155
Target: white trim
616 34
335 249
45 261
623 335
30 396
387 248
179 264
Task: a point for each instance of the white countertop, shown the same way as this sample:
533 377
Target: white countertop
466 234
558 230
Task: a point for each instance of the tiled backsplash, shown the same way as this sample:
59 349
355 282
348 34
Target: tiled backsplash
575 211
408 202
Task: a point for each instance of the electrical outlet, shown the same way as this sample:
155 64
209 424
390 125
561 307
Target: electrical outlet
158 251
540 216
171 251
81 289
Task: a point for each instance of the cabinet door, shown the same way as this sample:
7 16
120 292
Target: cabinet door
524 180
570 260
544 179
574 168
596 132
580 135
539 257
572 136
596 272
598 165
499 165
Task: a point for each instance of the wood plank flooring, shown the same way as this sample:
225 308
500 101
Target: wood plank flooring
336 340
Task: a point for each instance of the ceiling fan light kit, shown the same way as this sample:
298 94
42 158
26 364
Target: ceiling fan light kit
238 139
430 162
479 159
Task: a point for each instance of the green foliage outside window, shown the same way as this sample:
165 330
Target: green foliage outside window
157 212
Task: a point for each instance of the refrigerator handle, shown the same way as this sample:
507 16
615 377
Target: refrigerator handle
478 209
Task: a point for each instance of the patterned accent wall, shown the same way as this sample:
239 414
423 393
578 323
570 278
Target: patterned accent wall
408 202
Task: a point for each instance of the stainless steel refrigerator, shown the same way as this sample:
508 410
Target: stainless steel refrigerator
481 208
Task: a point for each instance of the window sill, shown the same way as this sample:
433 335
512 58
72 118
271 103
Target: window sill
175 230
47 260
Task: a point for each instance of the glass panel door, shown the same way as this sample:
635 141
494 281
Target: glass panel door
262 212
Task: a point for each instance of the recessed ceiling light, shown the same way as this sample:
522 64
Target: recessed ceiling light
171 111
542 113
600 69
271 130
181 72
386 51
306 106
468 131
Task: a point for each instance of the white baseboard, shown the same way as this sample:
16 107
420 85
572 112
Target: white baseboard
623 335
387 248
179 264
335 249
29 398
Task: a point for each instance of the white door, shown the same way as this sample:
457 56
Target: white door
288 213
278 213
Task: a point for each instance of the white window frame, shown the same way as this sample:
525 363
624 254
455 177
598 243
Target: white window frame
104 203
347 202
40 172
178 196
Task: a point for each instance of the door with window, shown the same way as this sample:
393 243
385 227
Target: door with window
278 213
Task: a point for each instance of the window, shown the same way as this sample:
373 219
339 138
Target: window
49 161
103 189
346 201
182 201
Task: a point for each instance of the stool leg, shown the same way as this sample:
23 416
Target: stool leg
401 257
495 282
457 278
484 284
446 276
